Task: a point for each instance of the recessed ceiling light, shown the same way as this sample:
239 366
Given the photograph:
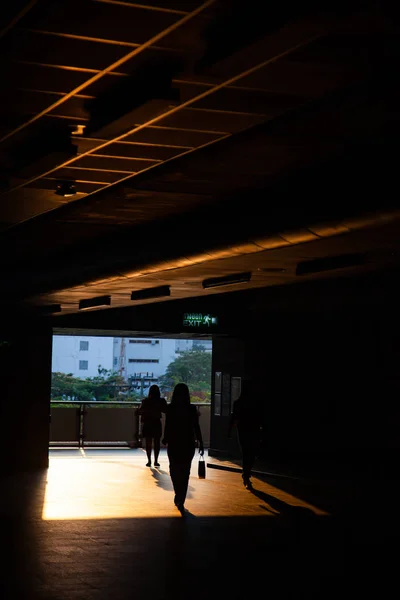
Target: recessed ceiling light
330 263
227 280
147 293
94 302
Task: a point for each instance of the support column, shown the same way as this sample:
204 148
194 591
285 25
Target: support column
25 355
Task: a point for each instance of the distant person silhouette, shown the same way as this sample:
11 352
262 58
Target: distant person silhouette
150 412
181 432
246 416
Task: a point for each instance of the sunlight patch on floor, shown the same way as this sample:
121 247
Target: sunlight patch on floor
116 488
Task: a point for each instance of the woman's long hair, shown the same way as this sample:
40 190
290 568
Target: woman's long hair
180 395
154 392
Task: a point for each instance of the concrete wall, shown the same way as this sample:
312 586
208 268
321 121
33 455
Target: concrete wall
329 380
26 397
229 359
161 350
328 384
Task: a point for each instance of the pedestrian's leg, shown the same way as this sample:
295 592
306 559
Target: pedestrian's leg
180 463
149 443
179 477
174 471
246 465
247 459
156 451
185 476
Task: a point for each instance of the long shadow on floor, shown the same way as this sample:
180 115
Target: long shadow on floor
293 553
351 552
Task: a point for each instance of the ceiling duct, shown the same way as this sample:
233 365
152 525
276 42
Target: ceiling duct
236 27
156 292
228 280
330 263
145 94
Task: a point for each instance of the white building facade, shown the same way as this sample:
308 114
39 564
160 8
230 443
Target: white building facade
81 355
143 357
139 360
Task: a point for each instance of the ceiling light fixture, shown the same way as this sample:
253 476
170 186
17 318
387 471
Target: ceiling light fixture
94 302
66 189
228 280
156 292
329 263
79 130
49 308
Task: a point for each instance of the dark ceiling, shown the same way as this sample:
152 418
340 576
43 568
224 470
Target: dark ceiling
202 140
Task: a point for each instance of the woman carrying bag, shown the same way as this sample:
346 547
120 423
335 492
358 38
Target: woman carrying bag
181 433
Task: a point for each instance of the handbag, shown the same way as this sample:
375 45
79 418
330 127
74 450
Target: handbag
202 467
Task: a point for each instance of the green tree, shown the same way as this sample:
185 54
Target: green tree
105 386
192 367
66 387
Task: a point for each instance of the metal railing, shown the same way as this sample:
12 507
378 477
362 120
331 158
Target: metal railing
105 423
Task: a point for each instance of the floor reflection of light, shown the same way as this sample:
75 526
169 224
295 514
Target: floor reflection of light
116 488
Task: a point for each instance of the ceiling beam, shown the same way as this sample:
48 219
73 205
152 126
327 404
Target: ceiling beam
175 109
88 38
149 7
115 272
112 67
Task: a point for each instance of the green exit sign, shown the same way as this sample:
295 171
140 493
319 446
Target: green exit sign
199 320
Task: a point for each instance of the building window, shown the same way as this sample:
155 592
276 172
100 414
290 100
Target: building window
83 365
83 345
144 360
115 361
144 341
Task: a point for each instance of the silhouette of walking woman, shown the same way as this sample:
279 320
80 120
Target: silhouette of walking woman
181 432
150 412
247 418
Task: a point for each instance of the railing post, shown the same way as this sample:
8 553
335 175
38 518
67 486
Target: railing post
137 436
82 414
78 426
77 423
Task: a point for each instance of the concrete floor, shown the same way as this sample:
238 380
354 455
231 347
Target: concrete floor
100 524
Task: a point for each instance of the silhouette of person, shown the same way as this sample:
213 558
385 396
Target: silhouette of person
181 432
150 412
246 416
